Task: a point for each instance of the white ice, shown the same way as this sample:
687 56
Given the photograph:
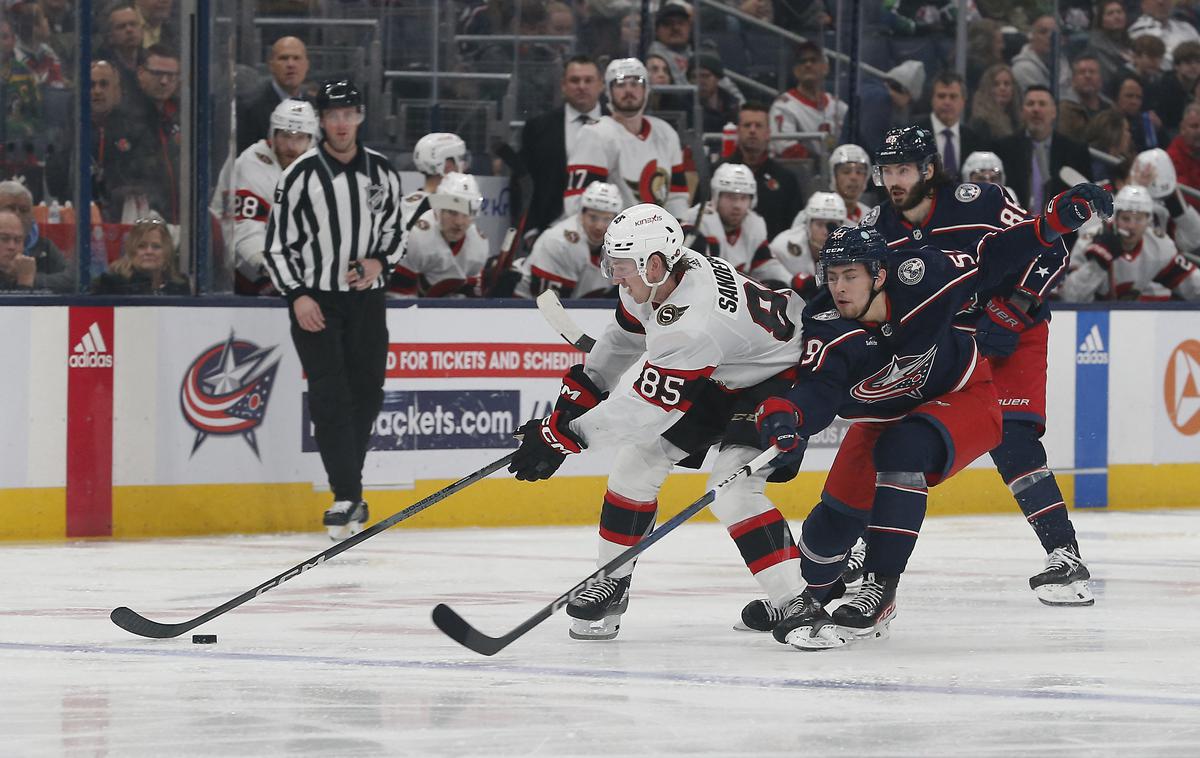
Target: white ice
344 660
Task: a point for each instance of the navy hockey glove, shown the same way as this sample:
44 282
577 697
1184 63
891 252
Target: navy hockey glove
1067 211
578 393
777 421
1000 327
545 444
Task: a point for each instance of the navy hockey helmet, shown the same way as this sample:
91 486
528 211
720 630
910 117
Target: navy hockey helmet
853 244
338 93
907 144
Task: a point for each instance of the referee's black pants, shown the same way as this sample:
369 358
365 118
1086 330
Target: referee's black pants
345 363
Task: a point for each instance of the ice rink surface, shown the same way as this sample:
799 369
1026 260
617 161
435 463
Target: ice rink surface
344 660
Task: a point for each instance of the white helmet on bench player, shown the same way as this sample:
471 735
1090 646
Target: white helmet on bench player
734 177
1133 198
457 192
983 160
622 69
848 153
825 206
602 196
432 150
1165 179
295 116
639 233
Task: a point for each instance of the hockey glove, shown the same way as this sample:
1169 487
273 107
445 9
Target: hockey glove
1000 327
545 444
1104 249
578 394
1067 211
777 421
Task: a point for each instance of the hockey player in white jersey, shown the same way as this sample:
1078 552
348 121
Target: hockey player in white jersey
566 258
1128 260
728 227
294 130
640 154
849 170
435 155
807 107
794 252
713 341
446 251
985 167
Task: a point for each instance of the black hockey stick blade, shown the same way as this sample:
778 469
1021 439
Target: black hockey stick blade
134 622
556 315
458 629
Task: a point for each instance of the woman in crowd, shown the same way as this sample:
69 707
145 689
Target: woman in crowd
147 265
1109 41
994 112
1109 131
1143 124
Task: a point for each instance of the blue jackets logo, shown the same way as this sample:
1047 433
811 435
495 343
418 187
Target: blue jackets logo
225 390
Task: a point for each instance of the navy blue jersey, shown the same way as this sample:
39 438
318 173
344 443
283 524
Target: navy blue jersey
958 217
881 371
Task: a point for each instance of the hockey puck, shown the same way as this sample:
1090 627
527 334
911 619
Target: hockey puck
204 639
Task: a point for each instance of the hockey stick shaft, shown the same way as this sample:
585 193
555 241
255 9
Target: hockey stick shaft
457 628
556 315
132 621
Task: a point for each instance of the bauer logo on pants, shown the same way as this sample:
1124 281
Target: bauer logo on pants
226 388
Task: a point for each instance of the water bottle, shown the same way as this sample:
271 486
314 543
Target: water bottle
728 139
54 213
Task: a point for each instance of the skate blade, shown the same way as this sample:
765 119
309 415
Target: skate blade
741 627
881 631
826 638
344 531
1073 594
604 629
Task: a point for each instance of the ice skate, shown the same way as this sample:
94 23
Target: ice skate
345 518
807 626
853 573
1065 580
760 616
597 610
871 611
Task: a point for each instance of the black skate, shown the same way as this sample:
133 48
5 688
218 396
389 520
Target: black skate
1065 580
345 518
760 616
806 625
597 610
871 611
853 573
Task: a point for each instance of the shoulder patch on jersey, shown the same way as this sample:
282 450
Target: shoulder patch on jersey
870 217
967 192
911 271
794 249
264 158
572 236
422 224
827 315
414 198
669 314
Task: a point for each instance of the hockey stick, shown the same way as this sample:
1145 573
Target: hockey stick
468 636
556 315
132 621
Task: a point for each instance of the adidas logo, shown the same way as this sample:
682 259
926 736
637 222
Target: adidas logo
1091 350
90 351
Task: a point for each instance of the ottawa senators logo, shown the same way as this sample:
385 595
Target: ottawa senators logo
794 249
422 224
414 198
264 158
669 314
572 236
653 185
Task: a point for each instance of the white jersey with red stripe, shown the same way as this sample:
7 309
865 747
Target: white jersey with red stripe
790 250
255 174
855 212
409 206
563 260
432 267
794 112
716 325
745 247
1152 271
647 167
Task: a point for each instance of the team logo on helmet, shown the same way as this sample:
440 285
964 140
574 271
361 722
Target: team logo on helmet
911 271
967 192
669 314
870 217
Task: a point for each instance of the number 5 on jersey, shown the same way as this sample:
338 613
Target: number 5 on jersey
669 389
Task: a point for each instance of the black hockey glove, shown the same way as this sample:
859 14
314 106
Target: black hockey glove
578 394
1067 211
545 444
1104 248
777 421
1000 327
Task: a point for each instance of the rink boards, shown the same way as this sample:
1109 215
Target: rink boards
139 421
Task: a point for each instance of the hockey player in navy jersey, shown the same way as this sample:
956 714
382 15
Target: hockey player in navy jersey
887 355
1009 320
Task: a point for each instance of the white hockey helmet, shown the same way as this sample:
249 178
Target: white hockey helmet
637 234
734 177
457 192
432 150
295 116
604 197
848 153
982 160
1133 198
1165 180
625 68
826 206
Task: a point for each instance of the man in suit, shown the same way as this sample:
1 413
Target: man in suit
955 140
547 138
1033 157
288 63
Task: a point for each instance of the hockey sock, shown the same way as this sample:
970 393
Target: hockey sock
623 522
1021 461
825 541
767 547
902 455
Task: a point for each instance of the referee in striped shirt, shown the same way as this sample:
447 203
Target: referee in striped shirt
333 233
